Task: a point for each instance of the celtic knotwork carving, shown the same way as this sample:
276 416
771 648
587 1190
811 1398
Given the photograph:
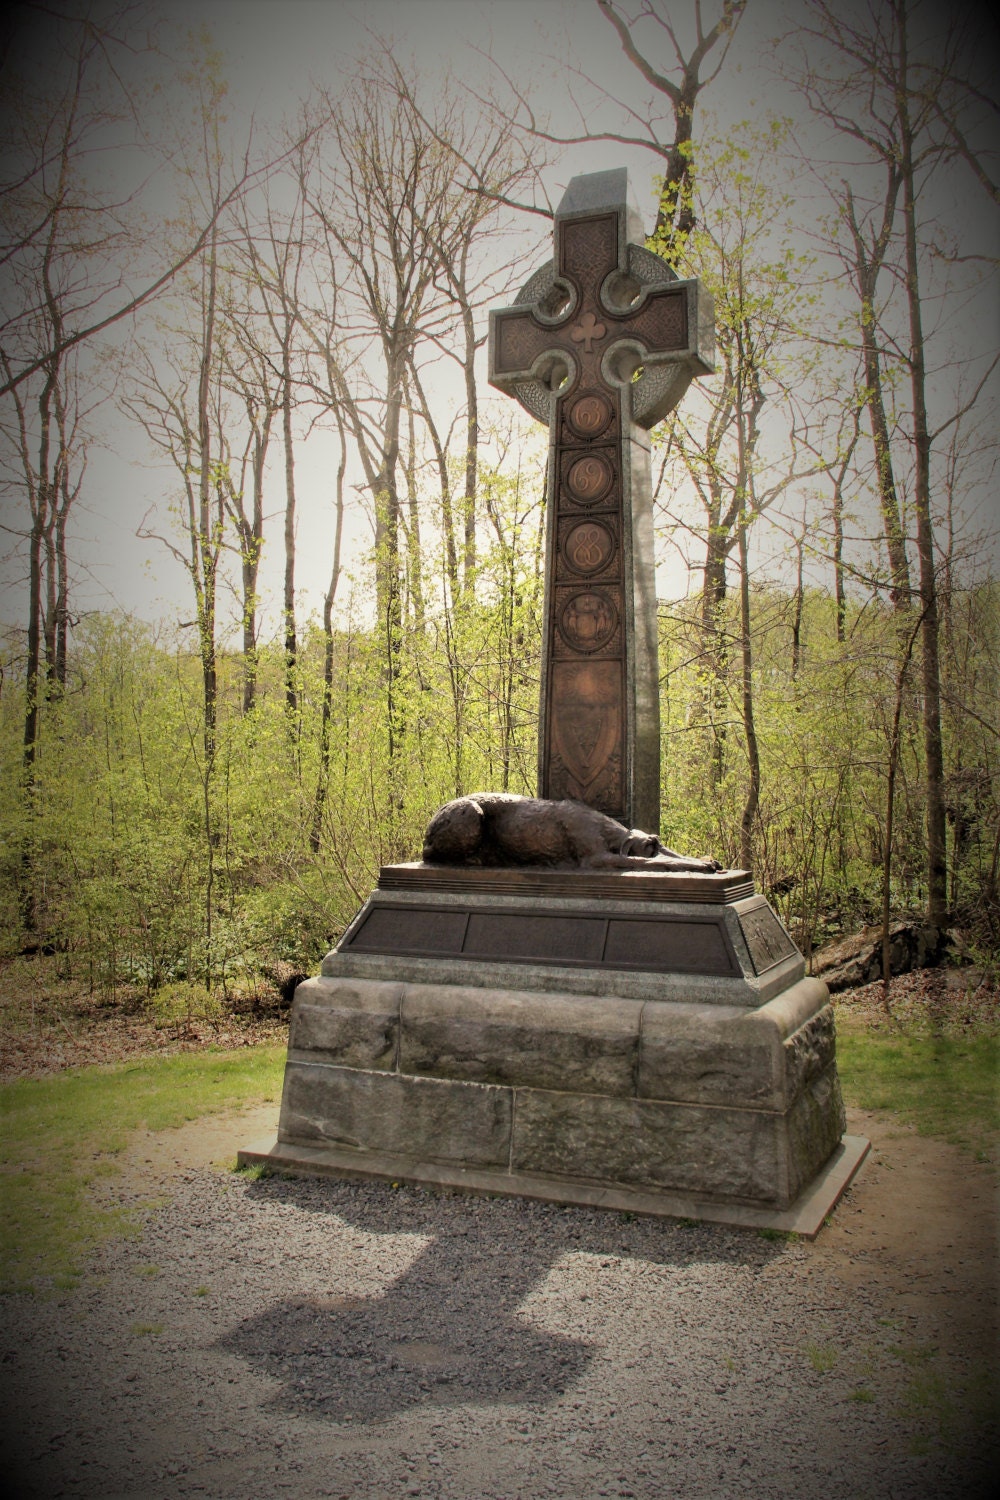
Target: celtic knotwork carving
589 249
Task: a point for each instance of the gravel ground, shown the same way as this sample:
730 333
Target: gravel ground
313 1338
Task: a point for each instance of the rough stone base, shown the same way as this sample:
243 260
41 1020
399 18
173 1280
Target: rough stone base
805 1216
656 1100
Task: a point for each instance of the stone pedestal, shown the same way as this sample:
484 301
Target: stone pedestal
628 1039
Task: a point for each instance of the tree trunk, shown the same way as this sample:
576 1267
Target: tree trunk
895 540
471 453
323 778
800 547
937 864
749 726
839 591
291 690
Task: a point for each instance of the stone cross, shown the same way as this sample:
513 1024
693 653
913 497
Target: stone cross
600 344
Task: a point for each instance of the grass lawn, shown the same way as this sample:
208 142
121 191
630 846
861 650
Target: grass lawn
60 1134
947 1086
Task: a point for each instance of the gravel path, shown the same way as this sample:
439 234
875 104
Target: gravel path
311 1338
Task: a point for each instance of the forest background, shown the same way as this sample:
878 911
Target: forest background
249 349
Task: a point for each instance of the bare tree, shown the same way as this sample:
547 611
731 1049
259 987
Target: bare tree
180 398
878 74
643 29
400 221
719 439
65 102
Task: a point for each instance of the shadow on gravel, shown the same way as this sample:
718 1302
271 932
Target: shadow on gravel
447 1332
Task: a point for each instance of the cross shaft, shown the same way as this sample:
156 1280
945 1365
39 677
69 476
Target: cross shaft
570 351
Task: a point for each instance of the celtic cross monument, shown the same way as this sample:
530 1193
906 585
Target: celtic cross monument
601 344
636 1038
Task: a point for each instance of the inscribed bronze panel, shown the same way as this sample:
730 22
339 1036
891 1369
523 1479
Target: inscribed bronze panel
766 939
545 939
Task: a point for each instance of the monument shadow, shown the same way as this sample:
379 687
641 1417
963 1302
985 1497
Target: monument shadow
448 1332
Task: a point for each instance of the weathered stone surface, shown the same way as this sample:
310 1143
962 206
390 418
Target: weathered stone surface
759 1058
731 1153
716 1056
583 1044
811 1130
430 1118
354 1022
809 1051
794 1006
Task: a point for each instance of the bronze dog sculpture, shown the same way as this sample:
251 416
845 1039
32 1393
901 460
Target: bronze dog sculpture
499 828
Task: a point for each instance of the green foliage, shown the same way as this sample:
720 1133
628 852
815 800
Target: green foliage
61 1135
823 737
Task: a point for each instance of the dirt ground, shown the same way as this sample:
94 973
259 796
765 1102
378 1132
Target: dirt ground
920 1223
904 1275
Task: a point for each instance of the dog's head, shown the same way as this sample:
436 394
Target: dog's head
639 845
454 833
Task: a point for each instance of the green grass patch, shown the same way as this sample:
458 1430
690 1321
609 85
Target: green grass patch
61 1134
944 1085
822 1357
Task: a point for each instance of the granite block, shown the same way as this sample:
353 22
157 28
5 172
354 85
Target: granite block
430 1118
809 1051
811 1130
642 1142
584 1044
354 1022
715 1056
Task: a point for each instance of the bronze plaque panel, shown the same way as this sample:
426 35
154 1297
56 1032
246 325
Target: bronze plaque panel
590 477
408 929
587 548
588 620
589 414
587 711
580 939
674 947
766 939
545 939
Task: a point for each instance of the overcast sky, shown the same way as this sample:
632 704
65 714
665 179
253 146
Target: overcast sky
272 52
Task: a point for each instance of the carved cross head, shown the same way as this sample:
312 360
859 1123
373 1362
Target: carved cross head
604 315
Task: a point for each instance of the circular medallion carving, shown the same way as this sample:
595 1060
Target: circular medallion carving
588 621
590 478
588 547
589 415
